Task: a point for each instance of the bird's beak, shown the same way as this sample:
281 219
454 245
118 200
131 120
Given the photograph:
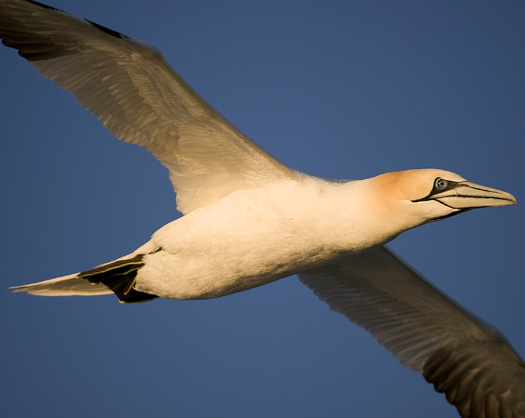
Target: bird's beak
465 195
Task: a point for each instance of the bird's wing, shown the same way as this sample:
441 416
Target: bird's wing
129 86
468 360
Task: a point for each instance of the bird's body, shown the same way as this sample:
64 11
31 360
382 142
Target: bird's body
250 220
253 237
247 239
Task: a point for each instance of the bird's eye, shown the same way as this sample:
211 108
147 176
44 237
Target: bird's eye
440 184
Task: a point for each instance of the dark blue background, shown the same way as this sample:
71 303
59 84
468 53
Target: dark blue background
338 89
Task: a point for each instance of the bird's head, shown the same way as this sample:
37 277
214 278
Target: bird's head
415 197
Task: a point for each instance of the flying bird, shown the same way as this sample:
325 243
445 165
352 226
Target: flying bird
249 220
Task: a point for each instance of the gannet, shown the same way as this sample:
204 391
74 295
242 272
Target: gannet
249 220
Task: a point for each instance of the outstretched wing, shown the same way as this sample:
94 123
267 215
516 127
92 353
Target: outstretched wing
129 86
471 362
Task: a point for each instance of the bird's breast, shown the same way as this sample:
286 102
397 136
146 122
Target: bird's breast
246 240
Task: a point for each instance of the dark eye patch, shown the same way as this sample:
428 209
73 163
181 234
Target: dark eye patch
440 185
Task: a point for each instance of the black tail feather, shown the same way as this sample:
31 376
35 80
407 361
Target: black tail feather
120 277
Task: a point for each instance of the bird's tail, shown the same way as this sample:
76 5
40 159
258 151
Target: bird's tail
116 277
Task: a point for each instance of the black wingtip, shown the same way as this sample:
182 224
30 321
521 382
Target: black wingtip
108 30
45 6
96 25
477 391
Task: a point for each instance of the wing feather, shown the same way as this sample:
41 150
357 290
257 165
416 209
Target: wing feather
129 86
467 359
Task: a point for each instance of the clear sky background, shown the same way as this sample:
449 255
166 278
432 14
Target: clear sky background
337 89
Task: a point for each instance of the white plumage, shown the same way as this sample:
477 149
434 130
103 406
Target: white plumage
249 220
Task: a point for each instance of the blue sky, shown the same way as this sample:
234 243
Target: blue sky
338 89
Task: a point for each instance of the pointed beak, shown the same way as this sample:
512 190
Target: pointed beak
465 195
